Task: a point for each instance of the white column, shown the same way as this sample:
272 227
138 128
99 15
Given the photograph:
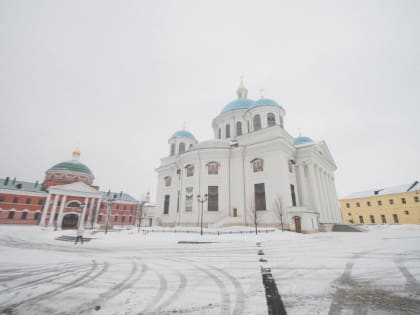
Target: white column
54 208
45 210
98 208
60 214
328 205
314 188
82 218
90 218
304 193
336 208
324 209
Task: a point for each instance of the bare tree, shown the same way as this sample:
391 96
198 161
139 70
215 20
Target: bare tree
256 215
279 209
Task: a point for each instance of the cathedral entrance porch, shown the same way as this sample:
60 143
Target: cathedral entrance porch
70 221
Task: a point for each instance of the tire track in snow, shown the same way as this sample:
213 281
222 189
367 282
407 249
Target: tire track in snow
163 286
84 278
175 295
126 283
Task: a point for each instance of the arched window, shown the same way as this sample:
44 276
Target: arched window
172 149
247 123
257 165
220 133
28 201
271 120
73 204
238 129
167 180
281 122
213 168
227 131
181 147
15 200
257 122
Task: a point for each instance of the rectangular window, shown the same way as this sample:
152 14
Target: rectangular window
292 191
100 218
11 215
37 215
2 198
259 196
368 203
407 212
24 215
403 200
189 198
416 199
15 200
347 205
213 198
395 218
40 201
391 201
372 219
123 218
379 203
129 219
166 205
190 170
358 204
116 218
383 218
361 219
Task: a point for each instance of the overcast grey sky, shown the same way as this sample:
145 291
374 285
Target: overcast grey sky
117 78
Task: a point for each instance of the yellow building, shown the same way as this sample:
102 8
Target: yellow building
391 205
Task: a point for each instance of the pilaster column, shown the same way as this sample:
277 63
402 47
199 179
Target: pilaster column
82 218
45 210
324 209
60 214
53 210
303 185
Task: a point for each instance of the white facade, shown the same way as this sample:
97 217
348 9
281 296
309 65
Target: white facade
251 155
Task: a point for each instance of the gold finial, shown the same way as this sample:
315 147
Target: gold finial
76 151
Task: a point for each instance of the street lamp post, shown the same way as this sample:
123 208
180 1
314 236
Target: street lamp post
202 201
140 213
110 199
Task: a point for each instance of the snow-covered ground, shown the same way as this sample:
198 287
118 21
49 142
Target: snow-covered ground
374 272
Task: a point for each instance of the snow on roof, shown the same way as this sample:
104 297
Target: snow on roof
385 191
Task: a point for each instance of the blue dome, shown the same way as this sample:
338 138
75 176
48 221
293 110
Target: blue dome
242 103
302 140
183 134
264 102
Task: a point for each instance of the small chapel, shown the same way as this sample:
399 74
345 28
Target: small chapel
252 169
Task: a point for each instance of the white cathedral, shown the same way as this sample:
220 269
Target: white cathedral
253 170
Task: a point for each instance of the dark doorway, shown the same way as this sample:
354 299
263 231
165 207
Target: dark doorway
235 212
298 227
150 222
70 221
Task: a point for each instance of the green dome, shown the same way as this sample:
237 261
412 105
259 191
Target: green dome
72 166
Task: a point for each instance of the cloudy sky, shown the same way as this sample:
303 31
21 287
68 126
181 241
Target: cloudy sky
118 78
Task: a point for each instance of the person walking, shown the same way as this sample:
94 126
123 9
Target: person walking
80 232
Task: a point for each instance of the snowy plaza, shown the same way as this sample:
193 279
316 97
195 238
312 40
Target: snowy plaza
126 272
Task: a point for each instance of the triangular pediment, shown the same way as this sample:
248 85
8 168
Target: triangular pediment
322 148
78 187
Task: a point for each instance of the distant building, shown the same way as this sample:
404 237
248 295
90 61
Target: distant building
390 205
253 169
66 198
